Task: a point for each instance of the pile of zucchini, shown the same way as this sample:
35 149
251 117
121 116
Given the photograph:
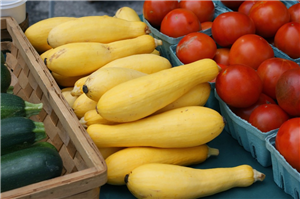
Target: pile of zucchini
25 157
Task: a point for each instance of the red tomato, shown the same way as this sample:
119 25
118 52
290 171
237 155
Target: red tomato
222 56
268 17
221 66
287 39
233 5
238 86
294 11
195 46
204 10
229 26
287 142
288 91
180 22
270 70
244 113
250 50
206 25
246 6
268 117
154 11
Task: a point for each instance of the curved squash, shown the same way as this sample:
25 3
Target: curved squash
104 79
77 89
156 180
92 117
83 104
177 128
128 14
102 29
124 161
66 92
146 63
140 97
76 59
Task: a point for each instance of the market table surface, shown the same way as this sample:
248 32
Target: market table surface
231 154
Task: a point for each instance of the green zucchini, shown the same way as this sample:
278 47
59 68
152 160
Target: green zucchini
14 106
5 78
28 166
19 130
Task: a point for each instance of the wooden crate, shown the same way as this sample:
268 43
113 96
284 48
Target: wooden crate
84 169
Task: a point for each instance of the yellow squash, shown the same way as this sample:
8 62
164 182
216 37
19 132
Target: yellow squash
65 81
102 29
76 59
66 92
128 14
146 63
77 89
106 152
45 54
156 180
140 97
104 79
124 161
177 128
197 96
83 104
92 117
37 33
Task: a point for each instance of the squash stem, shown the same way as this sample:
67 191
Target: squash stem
32 109
258 176
212 152
39 131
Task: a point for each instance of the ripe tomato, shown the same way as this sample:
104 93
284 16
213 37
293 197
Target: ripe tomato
246 6
270 70
154 11
294 11
238 86
244 113
222 56
250 50
233 5
180 22
206 25
287 91
268 17
287 39
204 10
268 117
287 142
195 46
229 26
221 66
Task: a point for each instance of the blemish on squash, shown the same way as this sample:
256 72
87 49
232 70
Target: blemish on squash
57 54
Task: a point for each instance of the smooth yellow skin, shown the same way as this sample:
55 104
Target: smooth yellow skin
37 33
124 161
65 81
92 117
76 59
104 79
140 97
166 181
102 29
66 92
197 96
83 104
177 128
146 63
77 89
128 14
45 54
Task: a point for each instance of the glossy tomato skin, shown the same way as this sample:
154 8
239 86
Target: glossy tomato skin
246 6
287 91
268 117
154 11
233 5
287 39
229 26
268 17
287 142
221 66
250 50
238 86
245 113
180 22
195 46
294 11
204 10
270 70
222 56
